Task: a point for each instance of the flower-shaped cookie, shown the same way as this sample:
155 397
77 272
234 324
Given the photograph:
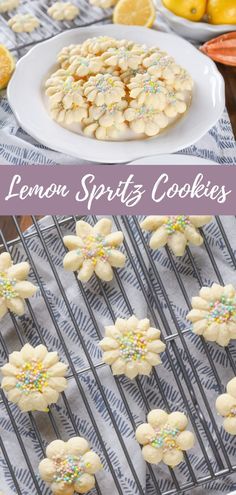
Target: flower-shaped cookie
183 81
175 231
164 437
13 286
93 249
69 466
67 105
226 407
149 91
84 66
125 57
111 133
66 53
108 115
103 4
161 65
23 23
33 378
214 314
132 347
98 45
8 5
175 103
104 88
63 11
145 120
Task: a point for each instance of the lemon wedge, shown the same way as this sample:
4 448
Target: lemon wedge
7 65
134 13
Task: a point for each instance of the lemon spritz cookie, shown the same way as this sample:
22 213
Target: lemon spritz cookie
226 407
132 347
8 5
70 466
106 121
93 250
175 231
33 378
214 314
81 66
23 23
124 57
161 65
145 119
103 4
63 11
98 45
164 437
14 288
147 90
104 88
66 101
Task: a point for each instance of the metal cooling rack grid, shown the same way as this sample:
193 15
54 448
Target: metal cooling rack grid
19 42
194 398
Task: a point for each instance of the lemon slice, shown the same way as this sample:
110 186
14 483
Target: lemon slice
7 65
134 13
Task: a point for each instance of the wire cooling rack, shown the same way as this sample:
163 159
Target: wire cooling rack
19 42
214 456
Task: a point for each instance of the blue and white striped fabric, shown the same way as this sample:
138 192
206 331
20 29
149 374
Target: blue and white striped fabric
221 486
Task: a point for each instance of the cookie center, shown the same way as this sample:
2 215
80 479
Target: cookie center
232 413
165 438
32 377
104 84
68 469
7 286
152 87
176 223
95 249
222 310
133 346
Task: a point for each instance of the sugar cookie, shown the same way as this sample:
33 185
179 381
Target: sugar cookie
175 231
147 90
63 11
33 378
226 407
164 437
214 313
93 250
14 288
104 89
145 120
132 347
8 5
69 466
84 66
23 23
125 57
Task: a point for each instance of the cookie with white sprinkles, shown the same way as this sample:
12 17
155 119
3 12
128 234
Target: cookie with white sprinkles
164 437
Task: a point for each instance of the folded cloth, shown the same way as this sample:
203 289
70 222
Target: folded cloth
18 148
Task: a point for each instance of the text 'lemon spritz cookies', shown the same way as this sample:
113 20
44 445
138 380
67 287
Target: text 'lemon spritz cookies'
175 231
132 347
23 23
8 5
69 466
13 286
214 314
93 250
151 89
63 11
226 407
33 378
164 437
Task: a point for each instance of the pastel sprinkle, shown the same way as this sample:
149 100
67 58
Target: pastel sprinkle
222 310
32 377
177 223
7 290
165 438
133 346
94 249
69 469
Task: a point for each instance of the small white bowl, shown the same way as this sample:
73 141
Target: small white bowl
196 31
173 159
26 97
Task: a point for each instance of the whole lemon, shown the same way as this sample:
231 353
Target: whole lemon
193 10
221 11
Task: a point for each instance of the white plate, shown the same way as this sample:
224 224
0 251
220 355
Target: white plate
172 160
26 97
198 31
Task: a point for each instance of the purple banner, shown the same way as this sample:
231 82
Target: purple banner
117 189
